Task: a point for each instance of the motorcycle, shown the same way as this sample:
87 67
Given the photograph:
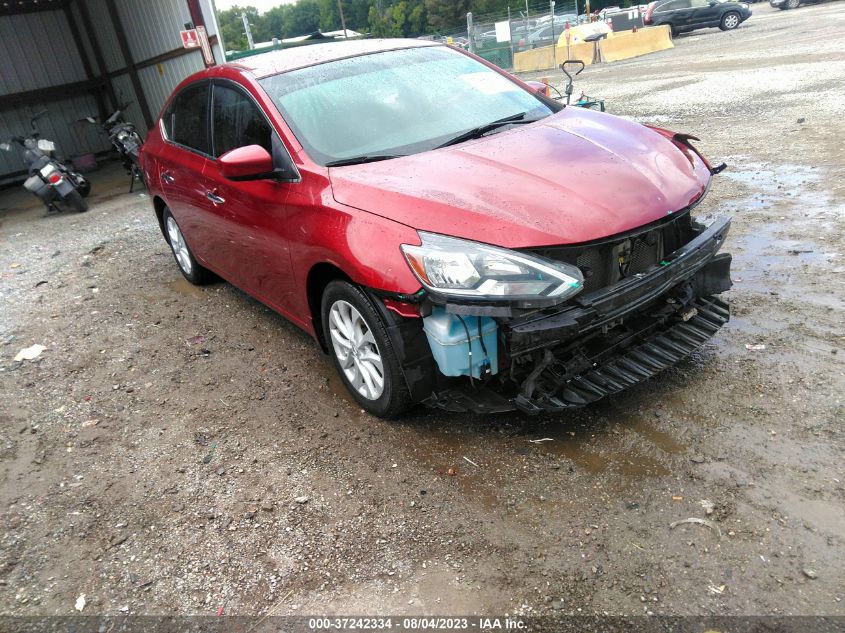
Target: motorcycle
49 178
125 139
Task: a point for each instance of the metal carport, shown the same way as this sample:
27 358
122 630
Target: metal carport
78 58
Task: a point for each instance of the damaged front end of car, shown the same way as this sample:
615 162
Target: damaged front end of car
552 328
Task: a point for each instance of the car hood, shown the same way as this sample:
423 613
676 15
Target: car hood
573 177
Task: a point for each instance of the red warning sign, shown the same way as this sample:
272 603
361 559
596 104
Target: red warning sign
190 39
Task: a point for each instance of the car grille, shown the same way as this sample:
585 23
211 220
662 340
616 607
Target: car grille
607 261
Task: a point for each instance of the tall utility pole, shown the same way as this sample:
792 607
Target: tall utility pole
248 31
342 21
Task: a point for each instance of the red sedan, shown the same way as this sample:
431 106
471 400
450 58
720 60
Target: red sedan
446 233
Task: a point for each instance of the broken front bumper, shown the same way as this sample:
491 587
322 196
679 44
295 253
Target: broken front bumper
607 340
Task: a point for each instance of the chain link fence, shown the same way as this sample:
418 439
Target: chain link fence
527 25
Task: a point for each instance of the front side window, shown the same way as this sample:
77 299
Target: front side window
237 121
185 121
395 103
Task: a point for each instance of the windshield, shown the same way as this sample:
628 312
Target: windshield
394 103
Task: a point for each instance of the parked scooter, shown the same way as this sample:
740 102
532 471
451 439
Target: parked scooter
49 178
126 140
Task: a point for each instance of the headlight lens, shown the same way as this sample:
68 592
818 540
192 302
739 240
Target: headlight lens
454 267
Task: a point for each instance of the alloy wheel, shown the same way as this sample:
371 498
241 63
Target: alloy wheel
179 246
731 21
356 350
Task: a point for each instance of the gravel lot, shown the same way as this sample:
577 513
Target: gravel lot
178 450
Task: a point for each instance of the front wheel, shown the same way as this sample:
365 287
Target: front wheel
361 351
730 21
75 200
792 4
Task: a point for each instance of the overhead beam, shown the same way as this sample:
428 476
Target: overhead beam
163 57
51 93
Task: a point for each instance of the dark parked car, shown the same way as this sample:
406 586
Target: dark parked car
689 15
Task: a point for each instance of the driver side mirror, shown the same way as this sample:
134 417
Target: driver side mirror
253 162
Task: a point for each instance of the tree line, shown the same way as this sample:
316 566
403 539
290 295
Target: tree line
380 18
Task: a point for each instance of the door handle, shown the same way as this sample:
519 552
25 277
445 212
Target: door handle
166 177
214 198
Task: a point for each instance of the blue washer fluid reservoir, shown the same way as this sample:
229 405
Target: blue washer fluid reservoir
447 338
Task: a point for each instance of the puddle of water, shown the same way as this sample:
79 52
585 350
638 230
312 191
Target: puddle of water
661 440
768 178
184 287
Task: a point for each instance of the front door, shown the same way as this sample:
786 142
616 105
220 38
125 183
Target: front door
250 216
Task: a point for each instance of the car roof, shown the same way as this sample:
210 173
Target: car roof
275 62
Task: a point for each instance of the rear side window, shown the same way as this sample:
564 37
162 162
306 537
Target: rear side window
238 122
185 121
673 5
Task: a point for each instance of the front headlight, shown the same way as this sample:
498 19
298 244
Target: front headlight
459 268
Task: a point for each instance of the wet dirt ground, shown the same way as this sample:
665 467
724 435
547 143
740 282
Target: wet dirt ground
152 456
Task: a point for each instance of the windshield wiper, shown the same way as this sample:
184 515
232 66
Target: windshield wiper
357 160
481 130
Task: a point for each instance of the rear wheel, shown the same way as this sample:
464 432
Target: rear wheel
362 352
75 200
188 265
730 21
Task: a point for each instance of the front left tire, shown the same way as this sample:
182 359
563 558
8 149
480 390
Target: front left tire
361 351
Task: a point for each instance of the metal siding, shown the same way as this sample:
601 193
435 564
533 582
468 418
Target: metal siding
152 27
37 51
102 29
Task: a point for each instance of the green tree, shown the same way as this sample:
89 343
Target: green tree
446 15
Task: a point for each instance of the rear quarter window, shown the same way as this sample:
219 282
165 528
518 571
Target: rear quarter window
186 119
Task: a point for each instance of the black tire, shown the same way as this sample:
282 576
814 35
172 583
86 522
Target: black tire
185 260
74 199
730 21
83 185
395 398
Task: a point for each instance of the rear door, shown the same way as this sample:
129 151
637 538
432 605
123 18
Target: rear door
186 152
251 215
705 13
676 13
